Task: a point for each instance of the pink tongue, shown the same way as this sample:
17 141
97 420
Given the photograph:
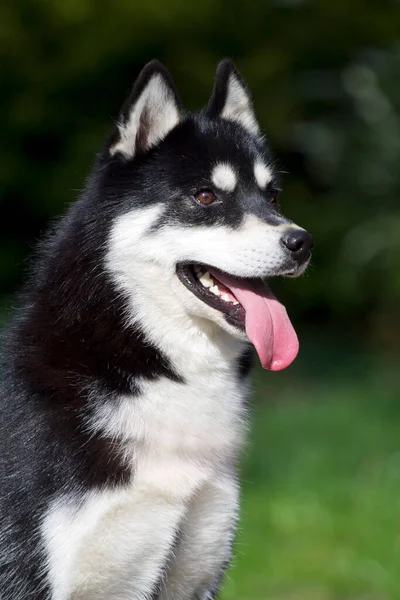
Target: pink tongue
267 324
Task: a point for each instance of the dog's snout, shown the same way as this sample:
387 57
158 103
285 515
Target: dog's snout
299 242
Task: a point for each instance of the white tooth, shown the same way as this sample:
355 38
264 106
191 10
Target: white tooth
206 282
214 289
225 297
235 302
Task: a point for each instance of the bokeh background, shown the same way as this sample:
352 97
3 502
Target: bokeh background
321 500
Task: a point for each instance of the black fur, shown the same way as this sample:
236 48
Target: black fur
68 347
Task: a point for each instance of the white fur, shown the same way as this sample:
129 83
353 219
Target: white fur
238 106
224 177
205 542
263 174
251 250
143 267
161 112
181 439
113 544
118 544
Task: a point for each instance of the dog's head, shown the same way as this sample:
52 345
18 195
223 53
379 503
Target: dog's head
197 225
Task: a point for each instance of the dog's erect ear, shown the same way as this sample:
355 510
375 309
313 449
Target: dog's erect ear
230 98
150 112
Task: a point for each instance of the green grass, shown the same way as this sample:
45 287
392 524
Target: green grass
321 500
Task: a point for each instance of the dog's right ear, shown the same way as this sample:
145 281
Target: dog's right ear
149 114
230 99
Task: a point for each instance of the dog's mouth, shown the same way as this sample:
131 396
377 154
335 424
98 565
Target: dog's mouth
250 306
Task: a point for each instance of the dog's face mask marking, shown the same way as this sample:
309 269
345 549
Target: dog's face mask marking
224 177
262 174
198 217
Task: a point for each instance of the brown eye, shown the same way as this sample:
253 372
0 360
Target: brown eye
272 196
205 197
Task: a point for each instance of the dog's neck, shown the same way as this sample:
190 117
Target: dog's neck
190 343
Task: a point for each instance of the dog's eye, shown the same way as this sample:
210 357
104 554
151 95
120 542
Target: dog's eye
272 196
205 197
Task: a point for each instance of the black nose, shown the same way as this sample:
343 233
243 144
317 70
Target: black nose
299 242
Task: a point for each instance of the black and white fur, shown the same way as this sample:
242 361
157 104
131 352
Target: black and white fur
123 394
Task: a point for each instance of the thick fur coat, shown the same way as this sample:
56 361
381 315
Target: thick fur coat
124 384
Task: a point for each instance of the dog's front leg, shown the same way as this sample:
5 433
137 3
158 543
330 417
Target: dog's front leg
112 545
205 543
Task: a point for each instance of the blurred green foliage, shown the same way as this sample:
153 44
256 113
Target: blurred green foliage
324 77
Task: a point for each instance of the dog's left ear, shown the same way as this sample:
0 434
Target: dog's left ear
149 114
231 99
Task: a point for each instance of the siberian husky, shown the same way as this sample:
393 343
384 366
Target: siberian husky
126 366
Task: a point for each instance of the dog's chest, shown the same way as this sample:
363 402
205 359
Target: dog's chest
176 432
181 440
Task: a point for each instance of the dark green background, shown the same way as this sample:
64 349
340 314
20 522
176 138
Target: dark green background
321 516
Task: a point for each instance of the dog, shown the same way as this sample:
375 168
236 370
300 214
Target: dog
126 365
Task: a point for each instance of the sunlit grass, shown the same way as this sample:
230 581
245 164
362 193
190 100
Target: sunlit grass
321 501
